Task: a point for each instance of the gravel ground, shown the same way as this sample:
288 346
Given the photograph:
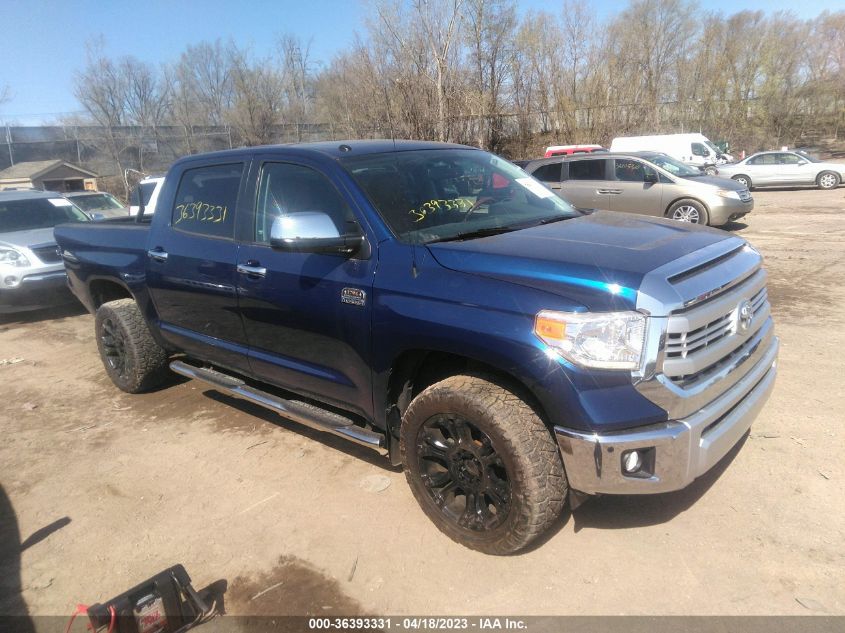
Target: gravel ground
103 489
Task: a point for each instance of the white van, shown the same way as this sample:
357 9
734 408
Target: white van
692 149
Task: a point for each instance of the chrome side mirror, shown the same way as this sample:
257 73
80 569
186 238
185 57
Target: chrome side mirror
312 232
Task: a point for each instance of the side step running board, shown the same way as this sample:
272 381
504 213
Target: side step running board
301 412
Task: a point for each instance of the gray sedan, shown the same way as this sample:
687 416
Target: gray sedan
32 272
774 169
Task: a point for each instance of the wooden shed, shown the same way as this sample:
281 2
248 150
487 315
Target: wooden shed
49 175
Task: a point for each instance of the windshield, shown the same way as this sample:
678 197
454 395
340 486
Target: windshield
674 167
435 195
810 157
96 202
37 213
713 147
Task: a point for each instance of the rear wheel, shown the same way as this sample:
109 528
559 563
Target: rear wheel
132 358
743 180
827 180
482 465
691 211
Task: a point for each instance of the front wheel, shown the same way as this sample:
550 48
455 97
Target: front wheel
711 171
133 360
743 180
827 180
690 211
482 465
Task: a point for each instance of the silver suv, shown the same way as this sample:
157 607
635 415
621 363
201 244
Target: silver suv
649 183
32 273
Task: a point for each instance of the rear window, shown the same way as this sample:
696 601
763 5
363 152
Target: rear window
37 213
586 170
206 199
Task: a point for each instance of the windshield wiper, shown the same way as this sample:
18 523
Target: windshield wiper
470 235
556 218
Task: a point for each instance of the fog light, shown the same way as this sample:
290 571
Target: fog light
11 281
632 462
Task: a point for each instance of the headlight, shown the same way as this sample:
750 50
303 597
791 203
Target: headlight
727 193
12 257
604 340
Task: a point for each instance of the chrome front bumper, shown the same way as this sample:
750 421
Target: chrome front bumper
682 449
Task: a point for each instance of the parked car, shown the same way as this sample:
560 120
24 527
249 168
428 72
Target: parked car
98 205
648 183
777 169
32 274
566 150
693 149
148 190
438 305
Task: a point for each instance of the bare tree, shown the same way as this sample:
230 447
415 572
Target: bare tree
258 99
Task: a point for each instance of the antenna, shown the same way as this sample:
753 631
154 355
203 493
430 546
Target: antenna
389 118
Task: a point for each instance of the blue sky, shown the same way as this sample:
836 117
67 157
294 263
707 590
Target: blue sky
44 41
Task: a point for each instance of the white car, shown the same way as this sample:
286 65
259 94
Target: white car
774 169
149 188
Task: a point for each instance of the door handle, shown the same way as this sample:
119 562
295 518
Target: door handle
157 254
250 269
614 191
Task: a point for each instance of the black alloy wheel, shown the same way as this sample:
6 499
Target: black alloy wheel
114 347
463 473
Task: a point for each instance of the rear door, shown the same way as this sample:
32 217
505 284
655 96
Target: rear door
191 265
586 184
635 194
307 315
763 169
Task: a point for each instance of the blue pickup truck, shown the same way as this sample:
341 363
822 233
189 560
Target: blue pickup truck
435 303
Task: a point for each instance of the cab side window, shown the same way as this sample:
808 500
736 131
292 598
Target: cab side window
286 188
548 173
586 170
206 200
699 150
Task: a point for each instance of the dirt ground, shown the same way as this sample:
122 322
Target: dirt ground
103 489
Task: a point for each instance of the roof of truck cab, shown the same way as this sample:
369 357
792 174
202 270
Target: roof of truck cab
332 149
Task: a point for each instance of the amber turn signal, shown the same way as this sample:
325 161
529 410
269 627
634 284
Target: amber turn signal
547 328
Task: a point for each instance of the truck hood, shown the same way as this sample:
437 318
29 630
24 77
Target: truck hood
33 237
597 260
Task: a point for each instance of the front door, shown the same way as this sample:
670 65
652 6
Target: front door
635 194
307 315
191 267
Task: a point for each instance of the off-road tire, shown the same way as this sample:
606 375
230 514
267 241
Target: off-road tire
535 473
682 207
133 360
827 180
743 179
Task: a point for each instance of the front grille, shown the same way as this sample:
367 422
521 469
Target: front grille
49 253
688 344
708 336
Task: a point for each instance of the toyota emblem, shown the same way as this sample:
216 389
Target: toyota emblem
745 314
